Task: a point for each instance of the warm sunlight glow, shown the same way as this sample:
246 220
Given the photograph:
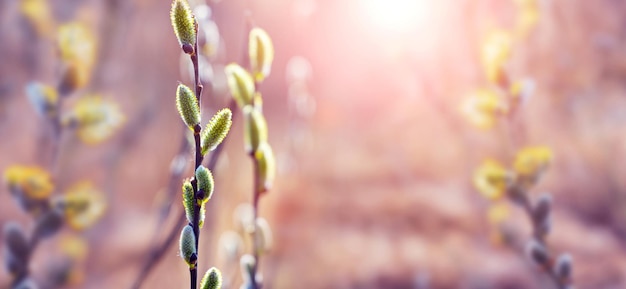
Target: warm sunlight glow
396 16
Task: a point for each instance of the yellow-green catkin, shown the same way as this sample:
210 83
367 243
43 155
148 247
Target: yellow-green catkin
255 128
187 106
266 166
216 130
189 200
240 84
188 246
205 183
184 25
261 52
212 279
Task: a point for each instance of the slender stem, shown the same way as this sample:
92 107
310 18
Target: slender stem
193 274
256 193
198 161
524 201
57 129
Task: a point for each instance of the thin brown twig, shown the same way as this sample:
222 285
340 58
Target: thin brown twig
256 191
255 205
539 237
520 197
199 195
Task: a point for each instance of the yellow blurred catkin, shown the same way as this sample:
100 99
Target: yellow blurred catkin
261 53
491 179
37 12
495 53
82 205
243 85
75 249
527 17
240 84
516 180
531 161
77 50
94 118
32 181
530 164
497 215
483 107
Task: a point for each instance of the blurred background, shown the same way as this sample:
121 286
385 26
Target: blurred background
375 157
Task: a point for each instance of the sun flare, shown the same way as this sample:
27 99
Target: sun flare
395 16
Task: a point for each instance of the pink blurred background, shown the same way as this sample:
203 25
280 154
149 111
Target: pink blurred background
374 159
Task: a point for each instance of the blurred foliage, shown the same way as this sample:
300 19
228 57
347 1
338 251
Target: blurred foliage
372 140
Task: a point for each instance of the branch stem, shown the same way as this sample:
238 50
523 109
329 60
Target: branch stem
256 194
524 201
193 276
198 161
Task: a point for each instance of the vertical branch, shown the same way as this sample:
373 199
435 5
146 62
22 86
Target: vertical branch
198 160
256 193
540 237
193 274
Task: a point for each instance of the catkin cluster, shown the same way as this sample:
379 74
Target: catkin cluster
244 87
198 190
92 119
497 105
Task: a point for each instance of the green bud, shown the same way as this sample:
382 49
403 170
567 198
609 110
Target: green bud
212 279
263 236
205 183
240 84
261 52
266 166
188 246
216 130
189 199
187 106
184 25
255 128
